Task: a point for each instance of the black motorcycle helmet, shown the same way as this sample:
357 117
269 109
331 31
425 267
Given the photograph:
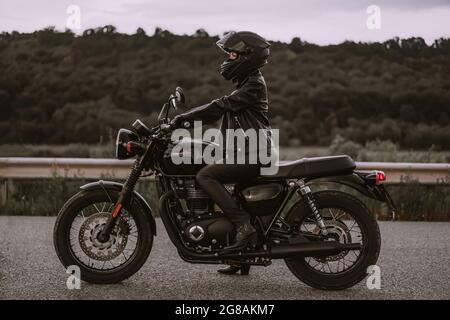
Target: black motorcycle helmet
252 50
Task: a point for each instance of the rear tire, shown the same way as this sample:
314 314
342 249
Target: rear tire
370 234
61 237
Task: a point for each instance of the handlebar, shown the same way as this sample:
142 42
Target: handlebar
164 128
167 127
154 129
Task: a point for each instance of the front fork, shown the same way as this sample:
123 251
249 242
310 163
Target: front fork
124 197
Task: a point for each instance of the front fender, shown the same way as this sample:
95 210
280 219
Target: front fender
116 186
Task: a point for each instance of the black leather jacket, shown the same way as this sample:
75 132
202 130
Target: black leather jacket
245 108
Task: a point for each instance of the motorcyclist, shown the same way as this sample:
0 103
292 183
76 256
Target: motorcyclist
245 108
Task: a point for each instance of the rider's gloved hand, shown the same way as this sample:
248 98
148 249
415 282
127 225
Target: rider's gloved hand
177 121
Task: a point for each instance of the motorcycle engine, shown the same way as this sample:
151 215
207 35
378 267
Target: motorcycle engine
202 227
209 232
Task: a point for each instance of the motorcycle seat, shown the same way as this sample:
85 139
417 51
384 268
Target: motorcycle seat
315 167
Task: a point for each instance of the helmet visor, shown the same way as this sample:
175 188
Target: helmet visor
232 42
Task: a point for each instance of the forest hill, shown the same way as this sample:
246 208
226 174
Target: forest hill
58 88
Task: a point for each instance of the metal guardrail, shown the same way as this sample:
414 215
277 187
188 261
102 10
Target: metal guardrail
89 168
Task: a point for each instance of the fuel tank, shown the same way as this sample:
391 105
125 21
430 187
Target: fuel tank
185 157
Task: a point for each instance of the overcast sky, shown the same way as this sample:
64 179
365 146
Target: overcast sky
320 21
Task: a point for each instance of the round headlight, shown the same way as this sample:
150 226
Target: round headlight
123 137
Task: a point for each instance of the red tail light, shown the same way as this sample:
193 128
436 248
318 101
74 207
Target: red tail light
380 177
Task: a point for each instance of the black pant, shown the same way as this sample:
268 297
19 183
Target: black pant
212 177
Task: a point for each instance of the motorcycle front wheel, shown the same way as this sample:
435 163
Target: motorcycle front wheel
347 220
78 225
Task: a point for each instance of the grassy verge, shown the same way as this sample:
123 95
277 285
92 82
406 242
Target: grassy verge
45 197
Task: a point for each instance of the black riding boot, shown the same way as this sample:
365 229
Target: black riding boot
233 269
245 235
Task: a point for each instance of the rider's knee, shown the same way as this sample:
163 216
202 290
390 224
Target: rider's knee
203 174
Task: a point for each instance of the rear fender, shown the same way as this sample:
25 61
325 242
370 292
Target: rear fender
356 182
116 186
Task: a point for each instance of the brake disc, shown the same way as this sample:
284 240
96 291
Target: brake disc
337 231
102 251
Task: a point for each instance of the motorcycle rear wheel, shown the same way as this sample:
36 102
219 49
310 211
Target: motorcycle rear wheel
348 207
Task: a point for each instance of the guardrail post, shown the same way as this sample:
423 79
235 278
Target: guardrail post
3 192
6 188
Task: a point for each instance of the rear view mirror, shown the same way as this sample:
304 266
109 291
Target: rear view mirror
178 99
179 94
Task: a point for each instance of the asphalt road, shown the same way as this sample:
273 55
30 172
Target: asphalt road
414 264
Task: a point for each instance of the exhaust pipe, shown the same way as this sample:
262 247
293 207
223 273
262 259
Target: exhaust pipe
309 249
304 249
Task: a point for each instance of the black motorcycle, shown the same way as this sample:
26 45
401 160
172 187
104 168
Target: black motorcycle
327 238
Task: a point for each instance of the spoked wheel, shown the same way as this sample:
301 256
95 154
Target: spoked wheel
76 237
347 220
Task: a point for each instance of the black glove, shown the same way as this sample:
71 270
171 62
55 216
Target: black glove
179 121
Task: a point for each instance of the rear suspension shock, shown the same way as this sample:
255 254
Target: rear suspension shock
305 192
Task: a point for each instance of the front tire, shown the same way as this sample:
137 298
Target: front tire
302 267
65 238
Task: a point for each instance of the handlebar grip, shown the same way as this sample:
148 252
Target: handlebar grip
166 127
153 130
